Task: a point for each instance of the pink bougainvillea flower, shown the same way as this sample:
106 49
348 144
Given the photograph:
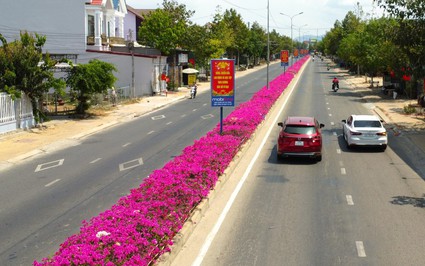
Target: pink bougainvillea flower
140 226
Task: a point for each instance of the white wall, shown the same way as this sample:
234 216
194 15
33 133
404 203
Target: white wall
130 24
62 21
143 70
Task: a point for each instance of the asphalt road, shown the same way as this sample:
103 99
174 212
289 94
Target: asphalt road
356 207
45 199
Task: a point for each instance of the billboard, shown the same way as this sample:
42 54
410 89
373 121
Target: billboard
284 58
222 82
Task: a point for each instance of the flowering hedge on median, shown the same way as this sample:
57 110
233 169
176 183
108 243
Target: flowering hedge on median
140 226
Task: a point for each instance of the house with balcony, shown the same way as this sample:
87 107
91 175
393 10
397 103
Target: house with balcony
81 30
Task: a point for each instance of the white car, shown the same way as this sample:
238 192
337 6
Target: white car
364 130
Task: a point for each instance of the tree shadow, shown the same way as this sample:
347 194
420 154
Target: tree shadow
405 200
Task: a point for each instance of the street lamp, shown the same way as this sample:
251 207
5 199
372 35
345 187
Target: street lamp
299 32
292 41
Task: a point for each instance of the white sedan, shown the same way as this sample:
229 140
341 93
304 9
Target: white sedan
364 130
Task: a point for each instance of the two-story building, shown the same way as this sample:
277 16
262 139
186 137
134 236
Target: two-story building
81 30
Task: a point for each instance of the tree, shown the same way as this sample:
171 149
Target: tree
409 36
88 79
164 29
239 33
23 68
257 42
196 40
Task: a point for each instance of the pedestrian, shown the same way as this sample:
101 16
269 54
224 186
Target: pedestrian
195 88
113 97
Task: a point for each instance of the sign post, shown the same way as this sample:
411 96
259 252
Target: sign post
222 85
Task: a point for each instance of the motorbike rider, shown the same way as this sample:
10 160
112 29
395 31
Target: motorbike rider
335 84
193 91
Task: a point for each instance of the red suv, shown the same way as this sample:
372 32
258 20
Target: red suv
300 136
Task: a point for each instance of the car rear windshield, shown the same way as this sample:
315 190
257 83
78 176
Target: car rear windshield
367 123
300 129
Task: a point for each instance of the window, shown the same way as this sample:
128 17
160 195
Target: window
367 123
90 25
308 130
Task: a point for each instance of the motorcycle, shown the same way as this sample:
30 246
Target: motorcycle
335 86
193 90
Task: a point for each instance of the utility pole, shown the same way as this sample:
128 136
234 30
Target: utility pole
292 40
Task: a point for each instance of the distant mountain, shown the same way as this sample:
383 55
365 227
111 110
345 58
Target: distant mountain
309 37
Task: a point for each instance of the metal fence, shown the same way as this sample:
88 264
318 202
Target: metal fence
15 114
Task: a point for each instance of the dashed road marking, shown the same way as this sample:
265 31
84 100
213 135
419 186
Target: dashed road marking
151 132
131 164
360 249
207 116
125 145
95 161
158 117
51 183
332 124
338 151
343 172
334 133
182 115
45 166
330 114
349 200
194 110
169 123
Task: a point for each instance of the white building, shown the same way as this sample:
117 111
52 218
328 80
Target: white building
81 30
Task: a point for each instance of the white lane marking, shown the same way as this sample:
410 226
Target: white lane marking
182 115
338 151
226 209
332 124
349 200
204 104
207 116
360 249
158 117
95 161
327 103
343 172
329 108
169 123
330 114
334 133
125 145
194 110
151 132
131 164
45 166
51 183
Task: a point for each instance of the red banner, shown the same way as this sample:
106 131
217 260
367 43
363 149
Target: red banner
222 82
284 58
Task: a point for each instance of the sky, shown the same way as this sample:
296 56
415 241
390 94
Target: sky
317 18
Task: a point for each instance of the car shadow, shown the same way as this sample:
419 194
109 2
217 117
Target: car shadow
289 160
405 200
